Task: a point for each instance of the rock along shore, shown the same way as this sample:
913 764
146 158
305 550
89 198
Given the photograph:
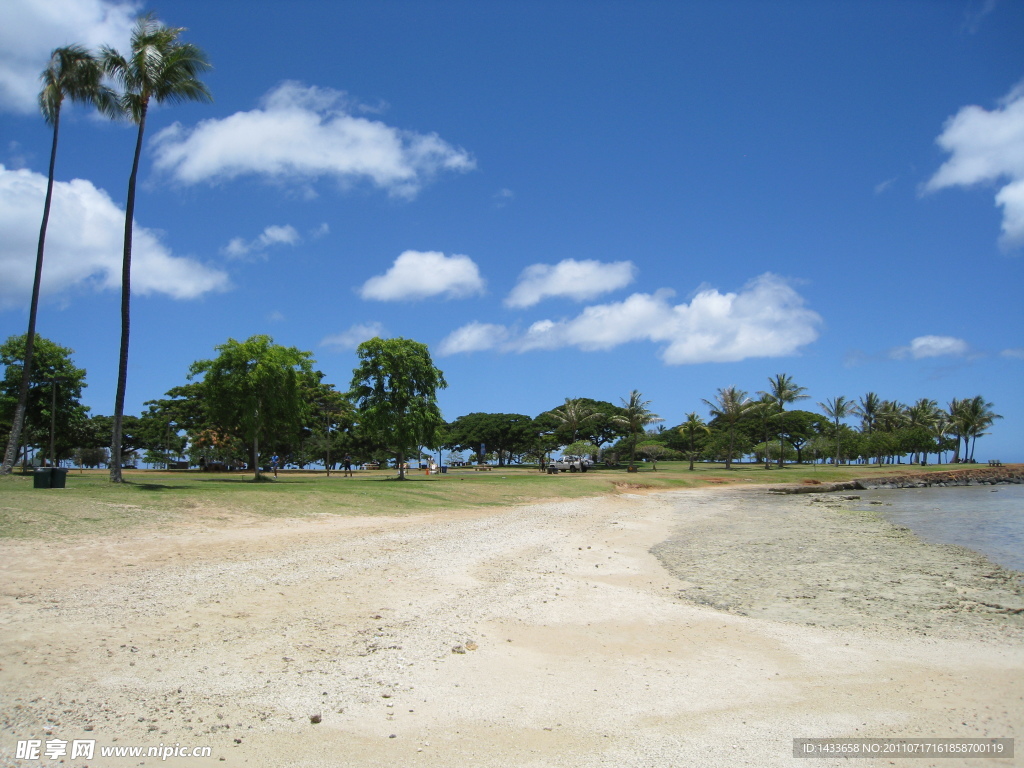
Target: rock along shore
956 477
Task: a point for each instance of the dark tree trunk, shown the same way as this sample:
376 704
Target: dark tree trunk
126 297
11 454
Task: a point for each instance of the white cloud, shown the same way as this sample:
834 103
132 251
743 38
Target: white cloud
931 346
322 231
354 336
765 319
31 29
1015 353
474 337
503 197
304 133
576 280
275 234
988 146
882 186
421 274
84 242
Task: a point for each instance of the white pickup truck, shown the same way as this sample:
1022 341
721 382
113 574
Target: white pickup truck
570 464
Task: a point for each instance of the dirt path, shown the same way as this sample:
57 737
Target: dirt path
547 635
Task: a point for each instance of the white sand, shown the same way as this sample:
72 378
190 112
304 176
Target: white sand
580 649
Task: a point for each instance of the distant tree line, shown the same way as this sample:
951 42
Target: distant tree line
256 399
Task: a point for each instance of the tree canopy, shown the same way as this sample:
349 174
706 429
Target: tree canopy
503 433
54 395
253 389
394 389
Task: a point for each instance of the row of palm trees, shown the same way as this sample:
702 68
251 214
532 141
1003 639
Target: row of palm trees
634 417
159 67
965 420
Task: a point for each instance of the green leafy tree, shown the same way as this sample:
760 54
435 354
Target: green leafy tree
604 428
504 433
72 73
54 394
635 418
654 451
544 438
394 389
729 406
133 433
580 448
159 68
796 428
330 414
253 390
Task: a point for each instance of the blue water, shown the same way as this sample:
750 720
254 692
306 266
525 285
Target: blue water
986 518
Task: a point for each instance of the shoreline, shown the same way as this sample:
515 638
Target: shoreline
822 563
948 478
526 636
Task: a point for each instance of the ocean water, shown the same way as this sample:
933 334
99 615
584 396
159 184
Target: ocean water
986 518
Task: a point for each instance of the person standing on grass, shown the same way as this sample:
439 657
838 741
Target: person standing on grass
274 461
346 464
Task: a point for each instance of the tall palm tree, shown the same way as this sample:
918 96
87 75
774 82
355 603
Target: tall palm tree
730 405
766 409
160 68
922 415
867 409
970 418
73 73
837 409
940 430
574 414
693 425
891 418
784 390
635 418
958 425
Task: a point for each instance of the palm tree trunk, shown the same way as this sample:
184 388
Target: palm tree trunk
126 296
11 454
728 456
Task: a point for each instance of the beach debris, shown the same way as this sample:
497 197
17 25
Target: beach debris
458 649
315 718
471 646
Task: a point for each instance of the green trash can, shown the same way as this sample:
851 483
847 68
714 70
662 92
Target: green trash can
42 477
59 477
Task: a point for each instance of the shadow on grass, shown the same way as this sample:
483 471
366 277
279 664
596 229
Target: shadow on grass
264 480
155 487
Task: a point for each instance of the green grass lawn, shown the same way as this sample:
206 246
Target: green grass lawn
91 504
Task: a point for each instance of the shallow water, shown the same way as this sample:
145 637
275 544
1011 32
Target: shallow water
988 519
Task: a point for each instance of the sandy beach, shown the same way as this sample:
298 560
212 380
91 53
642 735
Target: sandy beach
703 628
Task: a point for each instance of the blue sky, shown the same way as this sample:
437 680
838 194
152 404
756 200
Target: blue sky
561 199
